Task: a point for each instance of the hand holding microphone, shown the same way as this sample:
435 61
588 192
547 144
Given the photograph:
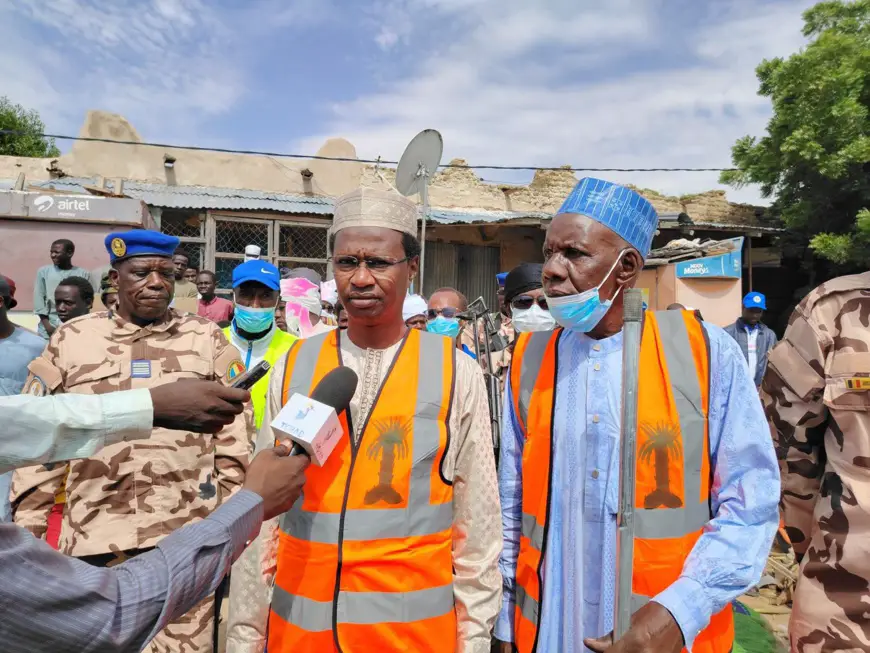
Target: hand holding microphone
278 478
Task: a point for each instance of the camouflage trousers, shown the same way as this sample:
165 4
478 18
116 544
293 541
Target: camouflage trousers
193 632
828 622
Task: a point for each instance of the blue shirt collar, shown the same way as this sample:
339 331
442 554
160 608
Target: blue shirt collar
607 345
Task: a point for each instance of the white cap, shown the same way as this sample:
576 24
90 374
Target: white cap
414 305
252 252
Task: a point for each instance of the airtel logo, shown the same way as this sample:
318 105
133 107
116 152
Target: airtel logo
68 206
43 203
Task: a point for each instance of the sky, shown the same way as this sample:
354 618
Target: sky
622 83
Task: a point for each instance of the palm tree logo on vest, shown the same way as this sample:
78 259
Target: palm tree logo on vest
662 442
392 442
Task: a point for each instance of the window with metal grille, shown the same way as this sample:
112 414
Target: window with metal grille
231 236
184 224
189 227
303 245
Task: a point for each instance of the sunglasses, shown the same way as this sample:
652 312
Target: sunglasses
374 264
447 312
524 302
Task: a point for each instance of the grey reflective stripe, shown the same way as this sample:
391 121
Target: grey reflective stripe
676 522
664 523
533 358
534 531
432 366
363 608
420 517
313 616
527 605
365 525
302 375
638 601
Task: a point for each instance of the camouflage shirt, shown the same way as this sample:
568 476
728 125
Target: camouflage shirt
132 494
816 394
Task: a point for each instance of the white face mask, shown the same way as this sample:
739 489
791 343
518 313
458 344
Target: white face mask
532 319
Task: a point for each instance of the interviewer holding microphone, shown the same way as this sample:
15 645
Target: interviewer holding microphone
57 604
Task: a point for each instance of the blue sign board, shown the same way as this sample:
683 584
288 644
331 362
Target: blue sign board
721 266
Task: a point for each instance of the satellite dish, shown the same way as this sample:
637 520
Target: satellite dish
419 162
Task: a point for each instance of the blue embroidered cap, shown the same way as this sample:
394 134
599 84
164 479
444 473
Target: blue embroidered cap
139 242
257 270
500 278
618 208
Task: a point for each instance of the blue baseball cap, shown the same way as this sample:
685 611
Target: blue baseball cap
139 242
620 209
755 300
500 277
260 271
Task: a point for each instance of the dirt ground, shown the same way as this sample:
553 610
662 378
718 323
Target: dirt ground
776 617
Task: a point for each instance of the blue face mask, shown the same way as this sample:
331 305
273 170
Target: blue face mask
444 326
253 320
583 312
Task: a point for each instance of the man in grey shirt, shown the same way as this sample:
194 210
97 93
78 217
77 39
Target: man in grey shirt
52 603
47 278
18 347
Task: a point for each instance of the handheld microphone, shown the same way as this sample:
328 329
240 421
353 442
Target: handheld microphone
312 422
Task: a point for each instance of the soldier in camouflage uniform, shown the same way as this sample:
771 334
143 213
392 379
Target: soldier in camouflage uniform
123 501
816 394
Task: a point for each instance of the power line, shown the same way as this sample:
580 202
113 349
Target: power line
378 161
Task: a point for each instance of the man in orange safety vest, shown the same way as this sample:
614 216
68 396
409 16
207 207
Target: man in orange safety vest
707 482
395 541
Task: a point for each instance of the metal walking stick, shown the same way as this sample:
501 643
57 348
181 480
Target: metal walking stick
631 333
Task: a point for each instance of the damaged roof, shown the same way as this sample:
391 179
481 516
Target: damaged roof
201 198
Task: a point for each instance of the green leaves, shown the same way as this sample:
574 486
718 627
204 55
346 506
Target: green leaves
814 158
30 143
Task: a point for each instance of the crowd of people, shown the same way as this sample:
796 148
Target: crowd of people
410 537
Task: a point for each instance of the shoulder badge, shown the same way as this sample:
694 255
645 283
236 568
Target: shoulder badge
858 383
119 247
234 369
35 387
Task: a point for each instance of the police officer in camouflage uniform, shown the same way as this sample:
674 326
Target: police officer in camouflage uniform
816 394
124 500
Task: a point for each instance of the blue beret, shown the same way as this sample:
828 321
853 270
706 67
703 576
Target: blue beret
618 208
139 242
257 270
500 277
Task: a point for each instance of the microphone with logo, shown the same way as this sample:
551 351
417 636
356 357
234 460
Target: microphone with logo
312 422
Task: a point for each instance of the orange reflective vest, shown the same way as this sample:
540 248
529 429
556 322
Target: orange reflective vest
673 480
365 556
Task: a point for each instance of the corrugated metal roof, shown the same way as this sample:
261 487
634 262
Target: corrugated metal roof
238 199
455 216
205 197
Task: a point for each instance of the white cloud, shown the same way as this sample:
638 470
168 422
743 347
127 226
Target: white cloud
545 84
165 65
161 65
